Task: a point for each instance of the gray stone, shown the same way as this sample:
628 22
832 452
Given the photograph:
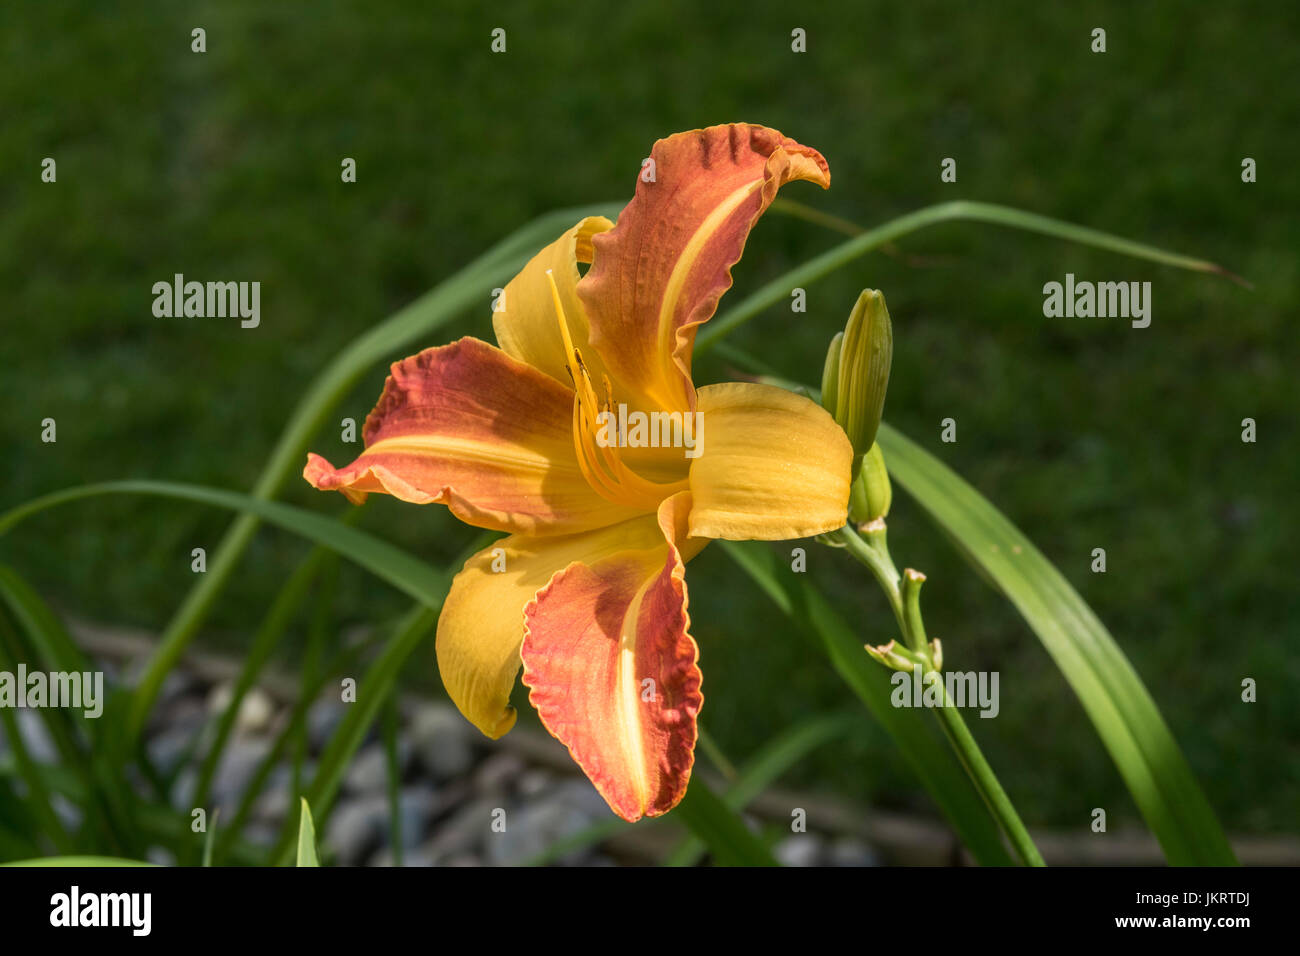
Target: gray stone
261 833
417 804
465 830
323 718
546 820
187 712
169 747
848 851
274 801
535 781
239 762
415 857
495 775
368 772
183 789
580 793
443 741
256 709
356 828
160 856
801 849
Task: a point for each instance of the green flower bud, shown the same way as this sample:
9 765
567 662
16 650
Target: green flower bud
872 493
865 356
894 656
831 374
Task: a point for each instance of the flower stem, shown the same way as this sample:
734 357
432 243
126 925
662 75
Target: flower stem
985 780
903 592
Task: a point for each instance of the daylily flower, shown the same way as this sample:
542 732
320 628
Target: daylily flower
588 592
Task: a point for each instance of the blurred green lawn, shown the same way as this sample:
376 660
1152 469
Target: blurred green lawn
1085 432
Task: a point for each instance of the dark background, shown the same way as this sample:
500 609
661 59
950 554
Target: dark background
1086 433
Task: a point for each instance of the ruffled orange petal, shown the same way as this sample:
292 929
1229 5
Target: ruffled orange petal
468 426
659 273
613 671
482 621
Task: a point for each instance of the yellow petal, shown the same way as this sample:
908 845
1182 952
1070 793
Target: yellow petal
526 326
774 466
482 621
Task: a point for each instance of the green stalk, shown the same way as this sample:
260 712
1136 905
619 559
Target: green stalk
905 602
985 780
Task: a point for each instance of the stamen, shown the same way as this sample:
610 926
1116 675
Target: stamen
602 465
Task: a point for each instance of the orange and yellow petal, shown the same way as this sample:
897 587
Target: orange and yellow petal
481 625
660 272
774 466
526 325
613 671
468 426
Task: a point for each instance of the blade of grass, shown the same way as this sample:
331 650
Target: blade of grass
209 838
306 838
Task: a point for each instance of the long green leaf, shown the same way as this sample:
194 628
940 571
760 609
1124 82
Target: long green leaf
933 763
1112 693
720 829
397 567
778 289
